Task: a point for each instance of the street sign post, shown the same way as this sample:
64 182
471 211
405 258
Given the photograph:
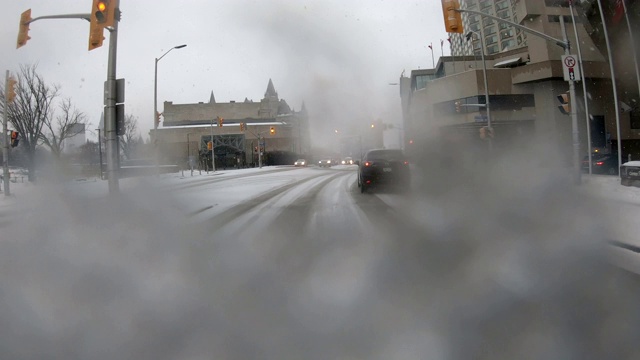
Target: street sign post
570 68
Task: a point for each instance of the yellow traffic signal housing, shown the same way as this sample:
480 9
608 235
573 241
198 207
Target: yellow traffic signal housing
220 121
104 12
11 89
452 18
272 130
96 36
565 103
209 145
23 31
241 126
458 106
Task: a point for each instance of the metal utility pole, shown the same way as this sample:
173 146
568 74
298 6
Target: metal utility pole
100 152
213 159
5 148
259 150
633 43
155 107
613 81
584 86
111 137
574 114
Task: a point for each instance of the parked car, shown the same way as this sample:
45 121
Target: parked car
384 167
601 164
326 163
300 162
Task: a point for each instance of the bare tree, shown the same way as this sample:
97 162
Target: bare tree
131 139
30 110
63 127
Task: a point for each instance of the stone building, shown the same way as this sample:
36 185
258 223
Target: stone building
188 128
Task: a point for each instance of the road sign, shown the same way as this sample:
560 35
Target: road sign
570 68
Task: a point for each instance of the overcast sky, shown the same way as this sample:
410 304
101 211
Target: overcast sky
339 57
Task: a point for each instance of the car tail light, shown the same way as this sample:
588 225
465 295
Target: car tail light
406 162
368 163
599 163
368 181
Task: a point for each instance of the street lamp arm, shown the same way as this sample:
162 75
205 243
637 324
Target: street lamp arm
168 51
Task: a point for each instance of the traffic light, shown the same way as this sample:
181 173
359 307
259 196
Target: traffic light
452 18
458 106
209 145
23 31
272 130
241 126
486 132
565 103
157 120
11 89
15 138
103 13
220 121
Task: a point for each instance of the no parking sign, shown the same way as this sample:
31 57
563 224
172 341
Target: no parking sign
570 68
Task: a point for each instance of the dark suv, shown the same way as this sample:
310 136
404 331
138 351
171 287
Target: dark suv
601 164
384 167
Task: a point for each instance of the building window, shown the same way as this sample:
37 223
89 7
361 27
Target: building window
506 34
490 30
473 19
556 3
508 44
492 49
475 27
476 45
487 21
635 119
503 26
485 4
502 5
556 18
491 39
487 11
503 14
519 40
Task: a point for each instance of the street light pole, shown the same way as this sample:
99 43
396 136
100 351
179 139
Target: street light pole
155 105
213 159
486 82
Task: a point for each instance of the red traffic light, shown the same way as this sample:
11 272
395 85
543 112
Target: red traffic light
15 138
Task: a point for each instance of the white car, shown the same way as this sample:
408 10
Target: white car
300 162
